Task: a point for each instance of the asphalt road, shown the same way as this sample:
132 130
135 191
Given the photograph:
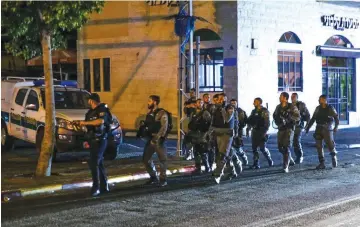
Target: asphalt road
266 197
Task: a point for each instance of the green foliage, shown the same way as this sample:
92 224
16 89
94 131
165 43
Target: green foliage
23 22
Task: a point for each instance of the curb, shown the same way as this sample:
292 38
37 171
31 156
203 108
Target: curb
6 196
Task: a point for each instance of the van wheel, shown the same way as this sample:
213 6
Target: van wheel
7 142
39 139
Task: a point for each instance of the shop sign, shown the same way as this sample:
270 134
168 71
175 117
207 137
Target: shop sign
169 3
340 23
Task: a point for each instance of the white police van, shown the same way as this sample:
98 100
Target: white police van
23 115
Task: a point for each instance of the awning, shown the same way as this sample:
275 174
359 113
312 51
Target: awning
57 57
328 51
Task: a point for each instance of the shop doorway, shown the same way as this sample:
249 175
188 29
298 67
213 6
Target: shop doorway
338 76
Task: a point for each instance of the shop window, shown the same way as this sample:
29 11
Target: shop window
289 37
338 40
96 75
211 70
290 73
86 71
106 74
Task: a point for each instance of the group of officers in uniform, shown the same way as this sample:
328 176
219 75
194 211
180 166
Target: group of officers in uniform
216 134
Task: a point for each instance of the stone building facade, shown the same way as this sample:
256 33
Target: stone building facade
249 49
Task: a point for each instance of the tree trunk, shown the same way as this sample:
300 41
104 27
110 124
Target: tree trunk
47 147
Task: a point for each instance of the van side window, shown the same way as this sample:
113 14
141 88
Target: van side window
21 96
33 99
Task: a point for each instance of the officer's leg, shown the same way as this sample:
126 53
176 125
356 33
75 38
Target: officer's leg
104 187
288 137
282 141
329 141
161 151
149 150
237 164
224 145
254 146
197 158
319 147
211 156
94 167
265 151
297 145
205 156
237 146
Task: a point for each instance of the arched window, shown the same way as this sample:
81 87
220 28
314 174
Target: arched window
211 63
290 73
338 40
206 34
289 37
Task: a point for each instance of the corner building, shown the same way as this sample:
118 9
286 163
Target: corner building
249 49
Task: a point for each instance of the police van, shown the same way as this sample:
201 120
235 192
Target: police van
23 115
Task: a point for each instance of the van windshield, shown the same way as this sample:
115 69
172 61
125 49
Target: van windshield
69 99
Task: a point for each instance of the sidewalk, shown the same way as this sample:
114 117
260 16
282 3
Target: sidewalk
72 175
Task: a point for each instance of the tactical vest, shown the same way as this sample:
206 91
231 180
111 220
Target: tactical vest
95 131
257 121
218 120
198 123
150 122
323 116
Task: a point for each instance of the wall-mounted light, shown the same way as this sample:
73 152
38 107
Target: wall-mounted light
254 43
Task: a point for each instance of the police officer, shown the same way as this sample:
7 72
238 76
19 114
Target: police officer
189 104
238 140
223 124
285 116
157 130
199 125
206 102
259 122
304 116
97 122
324 116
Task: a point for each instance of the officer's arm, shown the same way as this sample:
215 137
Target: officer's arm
266 120
311 122
306 113
227 114
249 121
276 115
164 125
245 118
295 116
335 115
101 119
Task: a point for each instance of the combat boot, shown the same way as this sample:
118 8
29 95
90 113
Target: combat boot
267 155
152 181
292 162
95 192
286 161
334 161
321 165
256 165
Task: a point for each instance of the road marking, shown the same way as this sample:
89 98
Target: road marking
296 214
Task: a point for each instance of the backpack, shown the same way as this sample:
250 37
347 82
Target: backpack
170 124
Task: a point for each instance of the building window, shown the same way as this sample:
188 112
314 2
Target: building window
290 75
338 40
96 75
289 37
210 70
86 71
106 74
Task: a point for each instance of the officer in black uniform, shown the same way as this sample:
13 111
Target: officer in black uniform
259 122
238 140
97 122
213 147
285 116
305 116
223 124
156 123
199 125
324 116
